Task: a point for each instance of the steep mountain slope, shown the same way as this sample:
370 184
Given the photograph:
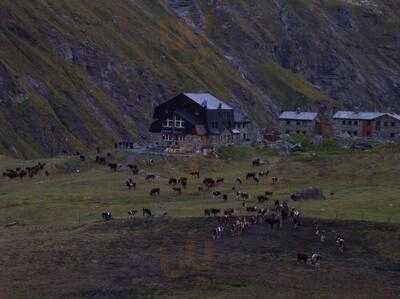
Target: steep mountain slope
80 73
347 48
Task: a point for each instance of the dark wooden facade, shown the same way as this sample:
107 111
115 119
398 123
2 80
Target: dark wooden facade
192 119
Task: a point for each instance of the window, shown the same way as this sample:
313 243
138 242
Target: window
298 132
343 122
386 124
393 124
288 122
176 122
167 137
181 138
214 125
392 135
356 122
179 122
298 123
287 131
355 133
304 132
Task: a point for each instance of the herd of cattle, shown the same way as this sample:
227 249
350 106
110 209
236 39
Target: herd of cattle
30 172
230 221
236 221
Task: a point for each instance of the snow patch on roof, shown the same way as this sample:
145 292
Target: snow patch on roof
297 115
209 100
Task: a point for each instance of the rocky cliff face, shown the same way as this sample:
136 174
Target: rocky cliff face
347 49
79 74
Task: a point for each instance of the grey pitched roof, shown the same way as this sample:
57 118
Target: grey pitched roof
362 115
296 115
209 100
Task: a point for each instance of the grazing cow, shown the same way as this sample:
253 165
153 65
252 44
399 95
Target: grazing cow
218 232
131 184
22 174
220 180
296 217
257 162
224 197
150 162
229 212
262 198
315 257
284 212
132 213
134 169
209 182
182 180
243 195
184 184
275 180
256 179
195 174
207 212
200 189
239 181
217 193
46 173
215 211
268 193
146 212
177 190
106 216
101 160
250 175
251 209
155 191
150 177
82 158
114 166
263 173
296 196
340 243
172 181
302 257
272 222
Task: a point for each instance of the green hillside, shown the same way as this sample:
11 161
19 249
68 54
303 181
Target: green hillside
79 73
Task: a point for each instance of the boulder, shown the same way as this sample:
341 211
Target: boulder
308 193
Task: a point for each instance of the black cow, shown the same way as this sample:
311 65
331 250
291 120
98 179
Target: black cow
106 216
146 212
155 191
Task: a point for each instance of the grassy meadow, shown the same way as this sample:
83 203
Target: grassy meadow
61 248
359 185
